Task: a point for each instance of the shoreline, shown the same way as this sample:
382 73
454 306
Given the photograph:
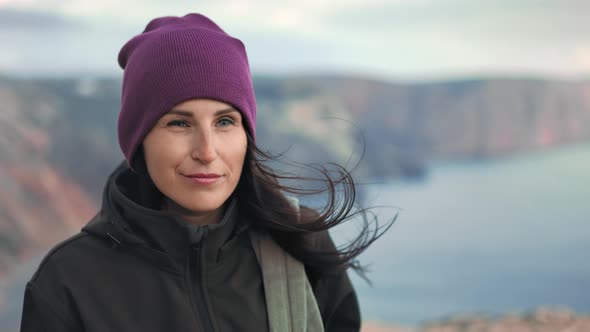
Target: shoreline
540 320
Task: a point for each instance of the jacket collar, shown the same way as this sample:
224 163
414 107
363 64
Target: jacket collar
125 220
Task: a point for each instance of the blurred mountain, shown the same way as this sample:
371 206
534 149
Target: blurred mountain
58 138
406 125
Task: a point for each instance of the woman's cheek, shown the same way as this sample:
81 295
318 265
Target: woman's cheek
175 148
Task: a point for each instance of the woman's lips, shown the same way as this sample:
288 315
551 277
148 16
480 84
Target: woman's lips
203 178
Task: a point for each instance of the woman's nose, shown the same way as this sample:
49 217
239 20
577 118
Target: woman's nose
204 148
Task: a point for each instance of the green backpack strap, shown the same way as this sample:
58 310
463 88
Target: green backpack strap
290 302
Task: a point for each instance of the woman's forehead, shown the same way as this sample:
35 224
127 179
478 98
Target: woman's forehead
202 107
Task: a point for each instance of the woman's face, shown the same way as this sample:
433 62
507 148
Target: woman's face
194 154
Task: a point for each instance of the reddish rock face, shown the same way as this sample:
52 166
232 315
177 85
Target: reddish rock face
40 207
39 203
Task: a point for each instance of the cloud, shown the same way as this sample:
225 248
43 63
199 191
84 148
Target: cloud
388 38
582 57
46 43
18 19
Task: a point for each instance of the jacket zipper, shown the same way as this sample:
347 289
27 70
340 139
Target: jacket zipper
198 291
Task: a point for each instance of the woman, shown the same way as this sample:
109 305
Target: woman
195 232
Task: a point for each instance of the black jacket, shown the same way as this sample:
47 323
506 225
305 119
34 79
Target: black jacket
133 268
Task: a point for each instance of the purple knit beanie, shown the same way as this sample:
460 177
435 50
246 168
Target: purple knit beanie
176 59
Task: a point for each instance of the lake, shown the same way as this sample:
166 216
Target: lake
482 237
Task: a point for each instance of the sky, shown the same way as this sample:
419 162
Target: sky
396 39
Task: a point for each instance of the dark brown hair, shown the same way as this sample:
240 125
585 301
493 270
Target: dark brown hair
262 198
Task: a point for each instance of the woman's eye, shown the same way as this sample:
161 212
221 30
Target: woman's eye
225 122
177 123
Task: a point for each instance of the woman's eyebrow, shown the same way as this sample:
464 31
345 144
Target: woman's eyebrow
225 111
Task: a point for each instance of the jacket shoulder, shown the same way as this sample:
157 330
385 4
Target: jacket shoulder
47 295
66 257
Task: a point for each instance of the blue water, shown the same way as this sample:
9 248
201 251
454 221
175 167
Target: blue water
489 237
